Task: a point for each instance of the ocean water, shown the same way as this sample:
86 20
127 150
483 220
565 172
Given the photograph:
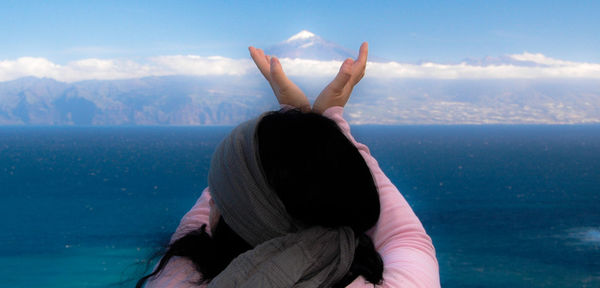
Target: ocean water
506 206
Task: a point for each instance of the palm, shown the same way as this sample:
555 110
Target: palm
338 91
285 90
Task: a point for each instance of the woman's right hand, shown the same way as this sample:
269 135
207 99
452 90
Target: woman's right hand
338 91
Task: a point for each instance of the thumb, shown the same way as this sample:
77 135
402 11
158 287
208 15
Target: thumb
343 75
277 74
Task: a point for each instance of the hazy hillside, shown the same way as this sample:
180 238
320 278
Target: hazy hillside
478 102
147 101
179 100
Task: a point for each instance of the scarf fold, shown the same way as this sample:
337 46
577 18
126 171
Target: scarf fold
285 254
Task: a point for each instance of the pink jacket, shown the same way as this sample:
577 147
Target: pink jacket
399 237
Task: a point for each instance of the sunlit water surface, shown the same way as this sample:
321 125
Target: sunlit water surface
506 206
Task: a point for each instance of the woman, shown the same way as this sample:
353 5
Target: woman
277 214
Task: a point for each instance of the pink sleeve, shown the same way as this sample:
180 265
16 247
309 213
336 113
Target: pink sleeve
180 272
399 237
194 218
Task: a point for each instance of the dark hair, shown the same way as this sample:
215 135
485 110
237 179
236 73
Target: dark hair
210 254
320 177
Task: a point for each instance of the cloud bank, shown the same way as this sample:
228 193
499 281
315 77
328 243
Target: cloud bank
111 69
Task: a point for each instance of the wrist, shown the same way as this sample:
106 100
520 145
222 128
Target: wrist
303 108
334 112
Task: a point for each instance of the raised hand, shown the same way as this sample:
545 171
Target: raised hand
338 91
285 90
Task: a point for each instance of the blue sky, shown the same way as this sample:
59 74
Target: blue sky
404 31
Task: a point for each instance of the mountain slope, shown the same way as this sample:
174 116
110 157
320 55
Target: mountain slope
180 100
307 45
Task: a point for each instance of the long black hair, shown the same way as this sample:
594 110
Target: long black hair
320 177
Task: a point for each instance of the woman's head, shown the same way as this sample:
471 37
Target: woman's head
288 170
293 181
318 174
285 176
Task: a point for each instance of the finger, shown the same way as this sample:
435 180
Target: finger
277 74
259 59
363 52
343 75
361 61
359 67
257 56
266 64
261 54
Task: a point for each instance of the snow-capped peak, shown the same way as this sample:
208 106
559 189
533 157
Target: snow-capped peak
307 45
304 34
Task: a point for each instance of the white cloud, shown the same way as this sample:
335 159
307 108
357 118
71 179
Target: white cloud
101 69
201 66
108 69
26 66
464 71
540 59
311 68
550 68
547 68
74 71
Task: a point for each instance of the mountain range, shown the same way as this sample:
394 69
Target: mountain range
227 100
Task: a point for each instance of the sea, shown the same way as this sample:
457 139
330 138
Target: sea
505 206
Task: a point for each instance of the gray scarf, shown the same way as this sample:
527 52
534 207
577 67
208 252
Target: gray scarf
285 254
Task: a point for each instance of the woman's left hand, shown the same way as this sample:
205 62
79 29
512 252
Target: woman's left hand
285 90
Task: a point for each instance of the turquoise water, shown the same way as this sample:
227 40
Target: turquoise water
505 206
